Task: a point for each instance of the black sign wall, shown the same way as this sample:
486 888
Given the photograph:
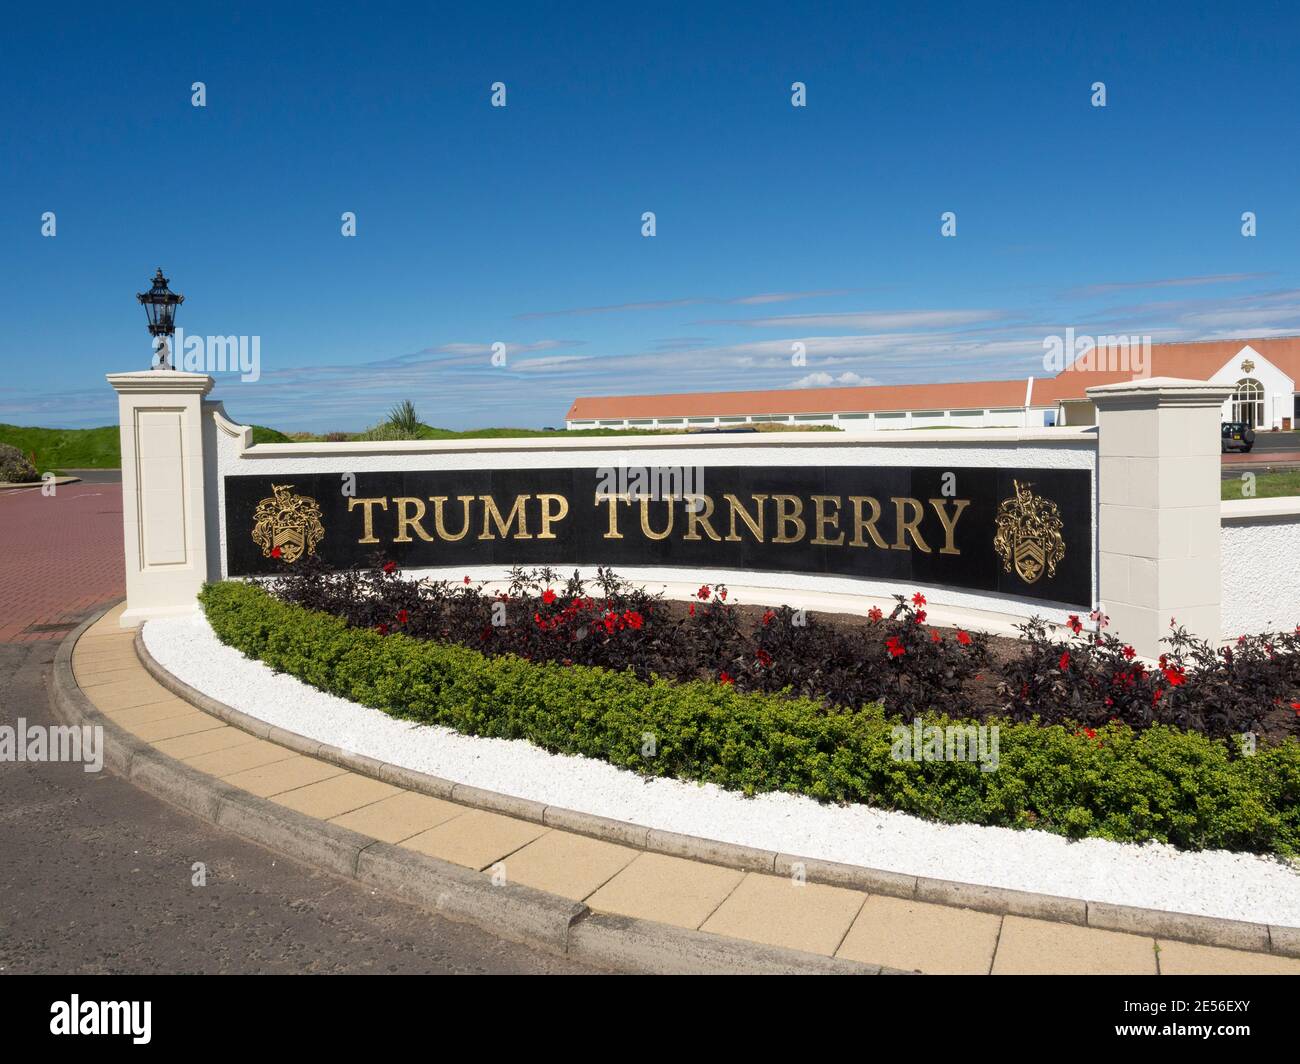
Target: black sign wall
1022 532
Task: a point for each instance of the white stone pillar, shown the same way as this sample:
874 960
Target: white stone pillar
1158 529
163 517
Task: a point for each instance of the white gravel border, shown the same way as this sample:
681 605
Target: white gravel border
1214 883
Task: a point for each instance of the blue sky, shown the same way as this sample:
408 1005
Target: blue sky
522 225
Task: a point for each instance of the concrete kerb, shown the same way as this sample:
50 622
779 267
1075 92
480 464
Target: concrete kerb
630 944
511 911
1185 927
17 485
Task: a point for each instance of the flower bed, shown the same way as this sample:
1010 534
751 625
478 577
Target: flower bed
1081 675
1158 783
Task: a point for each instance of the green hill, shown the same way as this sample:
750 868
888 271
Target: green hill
58 449
66 448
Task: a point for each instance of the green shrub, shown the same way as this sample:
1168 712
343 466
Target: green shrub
403 415
386 431
1159 784
15 467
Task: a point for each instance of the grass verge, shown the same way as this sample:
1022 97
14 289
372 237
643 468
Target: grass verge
1266 485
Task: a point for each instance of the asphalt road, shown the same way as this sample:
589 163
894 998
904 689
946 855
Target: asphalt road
95 878
1270 442
96 476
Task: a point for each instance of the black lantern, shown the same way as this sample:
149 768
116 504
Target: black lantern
160 305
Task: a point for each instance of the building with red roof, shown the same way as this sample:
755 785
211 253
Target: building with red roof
1263 372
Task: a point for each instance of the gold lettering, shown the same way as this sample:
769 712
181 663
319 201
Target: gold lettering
788 515
755 523
869 525
491 513
368 521
549 517
908 527
821 519
694 520
645 518
949 527
613 501
405 522
440 525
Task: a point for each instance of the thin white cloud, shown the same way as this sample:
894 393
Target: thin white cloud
825 380
785 297
1089 291
869 319
670 304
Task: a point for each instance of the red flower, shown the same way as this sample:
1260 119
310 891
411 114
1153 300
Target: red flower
467 579
723 594
703 592
963 638
634 620
918 599
769 617
276 552
403 616
726 677
1296 707
874 613
764 658
390 567
382 629
611 622
895 647
692 609
1091 733
1074 624
935 637
548 596
920 616
1129 653
1159 693
1064 663
1175 677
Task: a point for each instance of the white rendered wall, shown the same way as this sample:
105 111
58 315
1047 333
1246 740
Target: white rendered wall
1261 579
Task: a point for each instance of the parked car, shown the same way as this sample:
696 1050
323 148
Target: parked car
1237 436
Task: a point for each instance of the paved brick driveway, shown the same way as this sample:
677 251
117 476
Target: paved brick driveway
59 556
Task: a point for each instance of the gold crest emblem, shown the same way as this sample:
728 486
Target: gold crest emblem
288 522
1248 366
1028 534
